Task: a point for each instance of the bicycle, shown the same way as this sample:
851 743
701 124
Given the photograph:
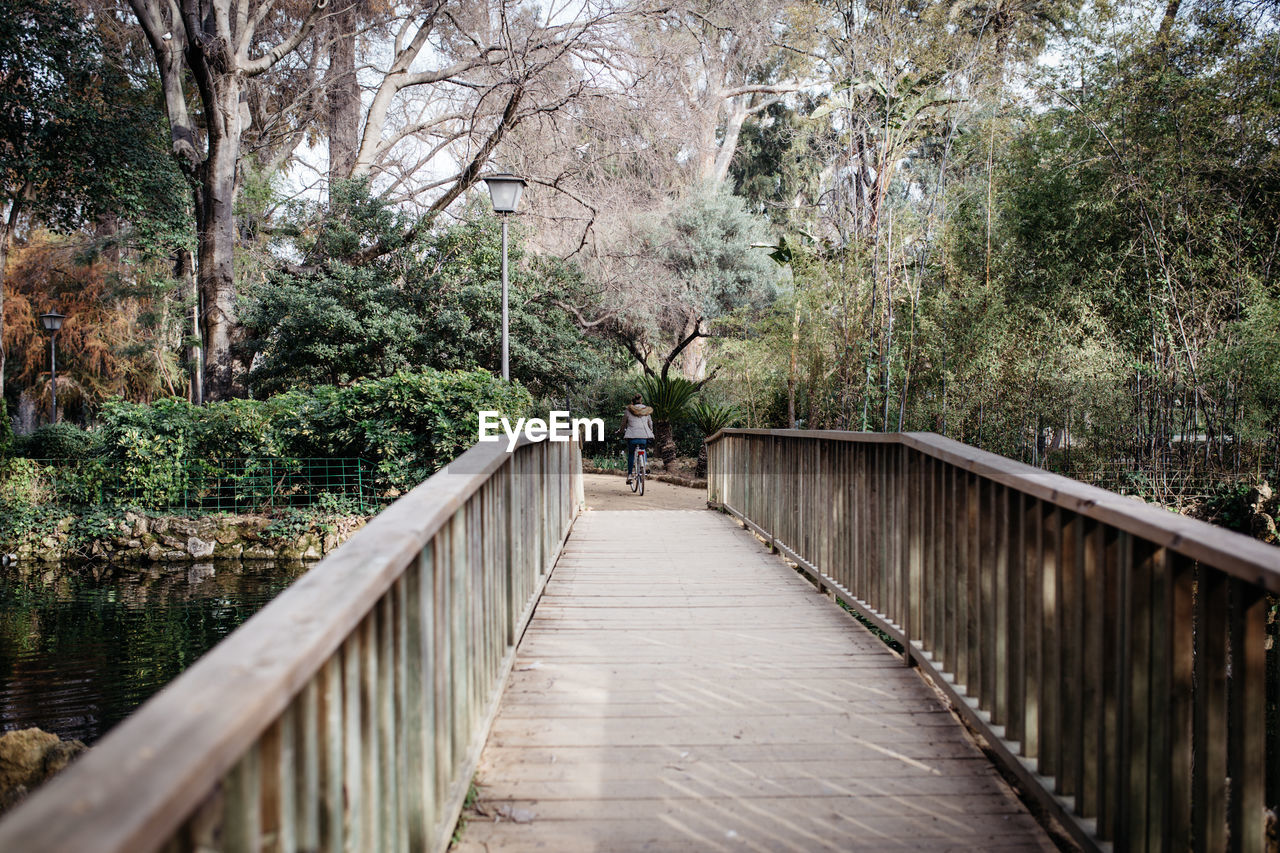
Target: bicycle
641 469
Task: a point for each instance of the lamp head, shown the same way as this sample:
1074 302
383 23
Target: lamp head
504 192
52 321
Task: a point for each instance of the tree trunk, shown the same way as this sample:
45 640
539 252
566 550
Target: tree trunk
7 226
665 440
216 247
793 368
342 92
4 260
694 360
184 269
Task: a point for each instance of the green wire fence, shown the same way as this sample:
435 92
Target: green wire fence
238 485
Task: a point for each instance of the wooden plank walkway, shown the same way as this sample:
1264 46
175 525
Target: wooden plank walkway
679 688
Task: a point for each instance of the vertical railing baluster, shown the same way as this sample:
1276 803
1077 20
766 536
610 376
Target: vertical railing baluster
308 793
985 566
242 824
388 741
913 484
1071 639
1000 623
413 674
1247 747
1181 583
370 733
355 791
1033 603
1140 607
1092 606
1158 762
964 604
1050 646
952 612
1111 615
1016 567
1209 724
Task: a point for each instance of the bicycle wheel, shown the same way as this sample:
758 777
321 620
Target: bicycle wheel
640 482
638 474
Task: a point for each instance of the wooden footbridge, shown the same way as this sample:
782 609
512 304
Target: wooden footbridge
693 680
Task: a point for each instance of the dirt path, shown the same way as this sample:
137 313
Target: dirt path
607 491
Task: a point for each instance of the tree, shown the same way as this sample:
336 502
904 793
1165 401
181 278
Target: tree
709 418
670 397
222 46
659 285
433 300
698 263
77 139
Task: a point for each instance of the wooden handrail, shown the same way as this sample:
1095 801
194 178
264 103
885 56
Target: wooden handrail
1113 654
349 713
1237 555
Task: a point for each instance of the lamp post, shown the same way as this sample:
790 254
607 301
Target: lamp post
504 192
52 322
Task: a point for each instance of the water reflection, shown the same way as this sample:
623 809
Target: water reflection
82 647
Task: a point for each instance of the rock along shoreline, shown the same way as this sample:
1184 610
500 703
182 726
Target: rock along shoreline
141 538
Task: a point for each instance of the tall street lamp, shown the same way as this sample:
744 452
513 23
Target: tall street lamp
52 322
504 192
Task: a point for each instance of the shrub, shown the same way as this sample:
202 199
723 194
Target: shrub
62 441
6 431
22 484
710 417
236 429
146 448
155 456
409 424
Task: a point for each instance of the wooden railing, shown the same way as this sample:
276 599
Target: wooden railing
1113 654
349 714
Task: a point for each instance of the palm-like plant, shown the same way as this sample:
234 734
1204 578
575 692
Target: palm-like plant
669 396
710 418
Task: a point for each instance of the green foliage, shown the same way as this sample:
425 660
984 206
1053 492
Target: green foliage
669 396
409 424
434 301
1082 276
776 160
704 246
167 454
75 133
710 417
61 441
336 320
1228 506
145 447
460 304
6 431
21 484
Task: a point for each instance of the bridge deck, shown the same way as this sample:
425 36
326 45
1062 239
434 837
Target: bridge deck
679 688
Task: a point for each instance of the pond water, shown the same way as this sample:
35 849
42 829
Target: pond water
82 646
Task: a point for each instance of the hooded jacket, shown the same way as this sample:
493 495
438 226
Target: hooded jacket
637 421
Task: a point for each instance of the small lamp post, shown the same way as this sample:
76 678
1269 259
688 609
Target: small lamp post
52 322
504 192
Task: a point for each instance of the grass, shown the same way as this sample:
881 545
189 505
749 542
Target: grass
870 626
468 802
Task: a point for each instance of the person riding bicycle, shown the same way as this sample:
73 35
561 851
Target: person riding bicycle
637 427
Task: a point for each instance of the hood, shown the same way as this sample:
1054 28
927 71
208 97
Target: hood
639 410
